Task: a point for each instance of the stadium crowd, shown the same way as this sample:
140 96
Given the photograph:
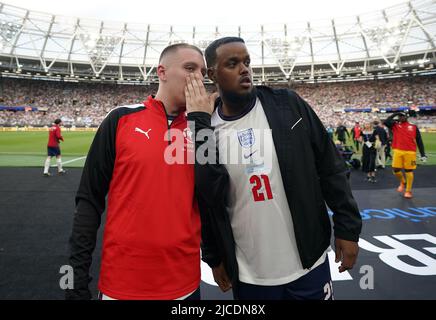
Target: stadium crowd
325 98
86 104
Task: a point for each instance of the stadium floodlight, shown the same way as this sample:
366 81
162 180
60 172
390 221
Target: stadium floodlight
388 38
202 44
99 48
8 32
285 51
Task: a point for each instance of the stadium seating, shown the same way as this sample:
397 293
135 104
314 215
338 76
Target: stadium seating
86 104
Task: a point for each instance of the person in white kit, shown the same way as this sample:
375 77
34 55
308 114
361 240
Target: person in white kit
265 226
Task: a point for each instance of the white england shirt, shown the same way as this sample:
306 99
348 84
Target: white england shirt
261 220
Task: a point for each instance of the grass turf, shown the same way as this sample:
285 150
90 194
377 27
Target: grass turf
29 149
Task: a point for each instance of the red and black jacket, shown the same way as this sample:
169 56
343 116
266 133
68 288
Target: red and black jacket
151 244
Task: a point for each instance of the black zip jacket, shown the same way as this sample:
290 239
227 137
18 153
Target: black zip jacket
313 173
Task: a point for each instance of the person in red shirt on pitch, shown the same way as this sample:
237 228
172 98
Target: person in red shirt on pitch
406 137
357 135
53 149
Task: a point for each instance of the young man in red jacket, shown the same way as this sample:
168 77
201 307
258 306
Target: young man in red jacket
53 149
406 137
151 243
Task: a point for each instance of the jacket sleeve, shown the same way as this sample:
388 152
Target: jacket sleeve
333 179
419 142
210 252
389 122
211 178
211 183
374 135
90 204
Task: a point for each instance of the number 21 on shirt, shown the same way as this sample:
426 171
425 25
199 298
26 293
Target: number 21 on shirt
257 183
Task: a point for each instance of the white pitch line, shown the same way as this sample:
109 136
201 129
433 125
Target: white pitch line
30 154
69 161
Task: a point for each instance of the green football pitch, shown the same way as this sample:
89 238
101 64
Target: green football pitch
429 140
28 149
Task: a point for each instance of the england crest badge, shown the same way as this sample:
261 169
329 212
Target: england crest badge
246 138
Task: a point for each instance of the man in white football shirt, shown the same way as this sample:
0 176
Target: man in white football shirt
265 226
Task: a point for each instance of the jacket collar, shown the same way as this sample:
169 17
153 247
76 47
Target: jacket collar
157 106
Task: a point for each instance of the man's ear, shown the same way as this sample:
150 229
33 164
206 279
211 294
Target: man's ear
211 74
161 72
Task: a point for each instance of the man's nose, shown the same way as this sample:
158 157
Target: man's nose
244 69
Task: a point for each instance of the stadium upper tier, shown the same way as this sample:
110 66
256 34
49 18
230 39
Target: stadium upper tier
396 40
38 103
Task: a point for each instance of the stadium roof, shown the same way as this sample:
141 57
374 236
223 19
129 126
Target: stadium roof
394 40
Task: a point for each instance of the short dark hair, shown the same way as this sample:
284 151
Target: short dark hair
174 47
57 121
210 52
376 122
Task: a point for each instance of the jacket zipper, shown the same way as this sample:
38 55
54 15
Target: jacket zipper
168 125
169 129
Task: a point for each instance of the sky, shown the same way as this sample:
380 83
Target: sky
205 12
